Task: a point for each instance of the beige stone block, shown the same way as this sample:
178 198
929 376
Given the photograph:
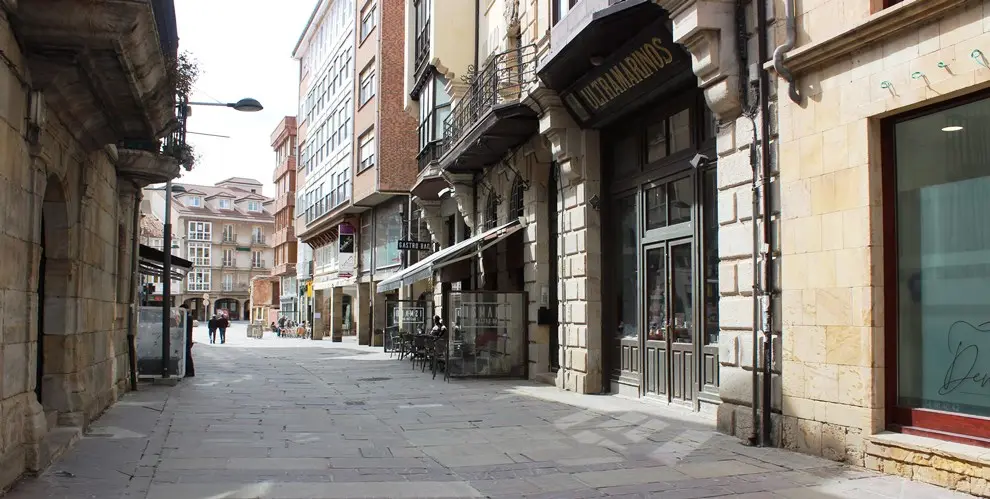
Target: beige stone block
793 385
835 153
867 306
809 343
959 81
853 98
809 306
736 312
727 278
848 415
844 345
810 148
960 26
833 307
789 158
821 269
832 231
808 235
791 307
854 267
822 382
833 442
928 38
852 187
802 435
823 194
855 385
792 275
796 199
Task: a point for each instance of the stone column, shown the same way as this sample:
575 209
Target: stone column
378 309
362 309
337 314
579 245
320 313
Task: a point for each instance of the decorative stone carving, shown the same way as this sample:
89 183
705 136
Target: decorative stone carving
463 186
566 139
706 29
433 218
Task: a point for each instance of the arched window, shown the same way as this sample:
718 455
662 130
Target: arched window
491 212
516 207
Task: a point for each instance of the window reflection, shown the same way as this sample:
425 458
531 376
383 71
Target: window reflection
656 141
656 298
680 292
681 194
626 267
680 131
710 235
656 207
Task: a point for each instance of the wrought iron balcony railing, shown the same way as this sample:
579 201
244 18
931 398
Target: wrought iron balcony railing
502 81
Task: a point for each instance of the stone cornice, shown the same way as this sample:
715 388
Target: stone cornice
889 22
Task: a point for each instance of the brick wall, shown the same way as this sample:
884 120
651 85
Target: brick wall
398 142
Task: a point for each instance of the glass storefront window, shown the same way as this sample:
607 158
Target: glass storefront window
365 241
710 259
388 232
656 141
681 196
943 260
626 267
656 207
680 131
656 295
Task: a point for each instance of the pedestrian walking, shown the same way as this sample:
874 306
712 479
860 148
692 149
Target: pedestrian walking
222 325
212 326
190 368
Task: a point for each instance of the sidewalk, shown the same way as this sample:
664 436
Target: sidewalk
287 418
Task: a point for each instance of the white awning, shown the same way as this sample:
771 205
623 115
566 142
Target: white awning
464 249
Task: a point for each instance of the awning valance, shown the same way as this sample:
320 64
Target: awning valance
464 249
151 261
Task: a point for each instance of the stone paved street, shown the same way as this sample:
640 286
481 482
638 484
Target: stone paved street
285 418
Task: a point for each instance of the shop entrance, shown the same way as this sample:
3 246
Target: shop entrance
660 255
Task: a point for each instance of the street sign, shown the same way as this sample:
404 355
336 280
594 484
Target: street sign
206 296
415 245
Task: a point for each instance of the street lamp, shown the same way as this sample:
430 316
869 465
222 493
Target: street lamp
247 105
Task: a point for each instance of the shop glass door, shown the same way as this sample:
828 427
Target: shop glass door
669 340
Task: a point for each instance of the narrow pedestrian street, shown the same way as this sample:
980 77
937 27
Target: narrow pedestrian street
288 418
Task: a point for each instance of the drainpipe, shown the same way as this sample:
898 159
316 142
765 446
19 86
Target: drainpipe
768 276
135 282
477 34
477 227
790 23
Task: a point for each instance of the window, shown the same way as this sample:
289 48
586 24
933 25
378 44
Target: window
228 282
366 243
367 90
198 279
194 201
224 204
937 181
228 233
423 30
199 253
257 260
368 21
434 107
200 231
491 212
517 208
366 154
227 259
669 136
257 235
560 8
254 206
388 231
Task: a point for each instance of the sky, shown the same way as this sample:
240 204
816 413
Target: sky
244 49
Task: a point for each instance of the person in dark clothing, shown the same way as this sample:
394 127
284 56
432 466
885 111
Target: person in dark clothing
222 324
212 326
190 368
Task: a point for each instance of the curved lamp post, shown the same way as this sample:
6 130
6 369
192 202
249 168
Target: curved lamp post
246 105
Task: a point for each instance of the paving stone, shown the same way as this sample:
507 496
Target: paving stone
279 418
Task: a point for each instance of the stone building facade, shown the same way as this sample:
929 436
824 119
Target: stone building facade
77 148
284 242
226 230
882 145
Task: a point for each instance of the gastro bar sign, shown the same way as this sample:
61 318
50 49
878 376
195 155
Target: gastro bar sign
415 245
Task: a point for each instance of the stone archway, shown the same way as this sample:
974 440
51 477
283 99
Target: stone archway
245 311
53 364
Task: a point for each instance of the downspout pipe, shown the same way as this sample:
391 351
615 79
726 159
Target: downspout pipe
135 283
790 24
769 283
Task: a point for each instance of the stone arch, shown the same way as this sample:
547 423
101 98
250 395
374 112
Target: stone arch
55 363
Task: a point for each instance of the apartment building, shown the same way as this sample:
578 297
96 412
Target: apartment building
884 115
357 159
284 242
325 52
226 230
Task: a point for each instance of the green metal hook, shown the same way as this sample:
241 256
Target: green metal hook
917 74
886 84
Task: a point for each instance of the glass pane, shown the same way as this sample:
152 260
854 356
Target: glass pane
680 131
656 141
681 200
656 295
680 292
943 268
626 268
656 207
710 207
625 156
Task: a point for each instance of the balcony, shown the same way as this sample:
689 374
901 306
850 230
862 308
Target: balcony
492 117
287 165
258 265
284 270
285 200
283 236
259 240
104 66
229 240
234 288
429 181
